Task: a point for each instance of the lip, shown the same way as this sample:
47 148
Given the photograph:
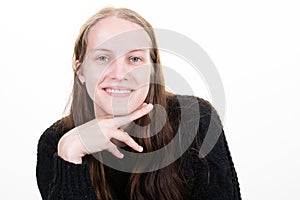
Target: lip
118 91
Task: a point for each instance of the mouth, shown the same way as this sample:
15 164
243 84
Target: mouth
118 92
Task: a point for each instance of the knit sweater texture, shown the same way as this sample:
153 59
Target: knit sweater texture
210 178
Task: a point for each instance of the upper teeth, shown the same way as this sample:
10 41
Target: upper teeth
119 91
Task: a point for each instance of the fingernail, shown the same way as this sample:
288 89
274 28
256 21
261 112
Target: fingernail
141 149
121 156
149 106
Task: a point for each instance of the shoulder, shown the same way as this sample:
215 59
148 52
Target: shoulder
206 165
192 109
51 135
189 102
196 121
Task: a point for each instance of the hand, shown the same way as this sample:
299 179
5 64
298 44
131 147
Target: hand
96 135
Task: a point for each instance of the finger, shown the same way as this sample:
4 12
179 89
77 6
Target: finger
114 150
120 121
125 138
141 112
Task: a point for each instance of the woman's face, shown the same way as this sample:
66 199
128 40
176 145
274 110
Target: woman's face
117 66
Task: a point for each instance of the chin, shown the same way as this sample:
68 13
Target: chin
119 111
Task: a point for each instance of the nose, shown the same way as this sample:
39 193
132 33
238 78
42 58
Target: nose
117 70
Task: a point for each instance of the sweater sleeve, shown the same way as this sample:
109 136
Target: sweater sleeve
57 178
215 177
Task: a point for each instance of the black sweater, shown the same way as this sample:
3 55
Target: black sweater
211 178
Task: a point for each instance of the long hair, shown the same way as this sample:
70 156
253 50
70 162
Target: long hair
165 183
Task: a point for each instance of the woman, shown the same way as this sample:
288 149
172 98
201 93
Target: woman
121 115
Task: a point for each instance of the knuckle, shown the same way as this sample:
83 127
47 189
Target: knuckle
114 149
126 134
106 143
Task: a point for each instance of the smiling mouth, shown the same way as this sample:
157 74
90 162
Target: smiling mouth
118 92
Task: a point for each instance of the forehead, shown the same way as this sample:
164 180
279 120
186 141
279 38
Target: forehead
117 35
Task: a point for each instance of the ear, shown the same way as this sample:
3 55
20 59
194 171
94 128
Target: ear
79 71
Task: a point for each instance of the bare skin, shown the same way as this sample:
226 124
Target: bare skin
117 80
101 131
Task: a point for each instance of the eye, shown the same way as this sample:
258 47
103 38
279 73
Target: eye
135 59
103 58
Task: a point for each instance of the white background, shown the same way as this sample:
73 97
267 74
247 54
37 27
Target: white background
255 46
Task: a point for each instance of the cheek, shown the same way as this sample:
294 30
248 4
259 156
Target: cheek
142 78
142 75
138 97
92 81
93 75
90 87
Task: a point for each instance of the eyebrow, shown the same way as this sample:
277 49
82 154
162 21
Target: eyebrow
100 49
134 50
131 51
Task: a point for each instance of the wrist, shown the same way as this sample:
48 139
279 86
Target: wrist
69 148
